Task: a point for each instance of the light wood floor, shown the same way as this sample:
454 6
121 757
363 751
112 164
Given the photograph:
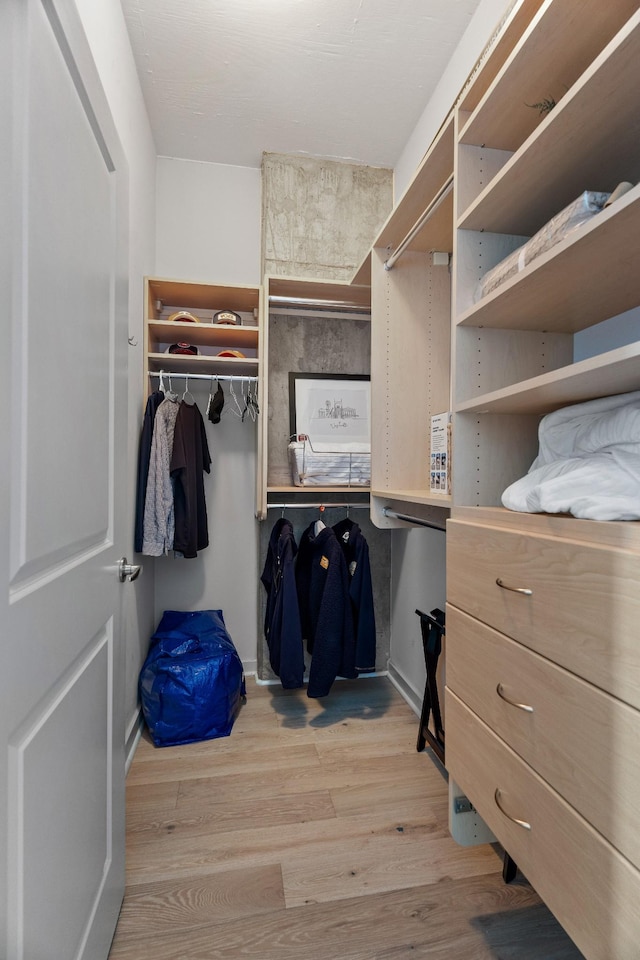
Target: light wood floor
314 832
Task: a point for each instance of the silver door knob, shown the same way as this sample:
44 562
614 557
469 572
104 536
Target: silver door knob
128 571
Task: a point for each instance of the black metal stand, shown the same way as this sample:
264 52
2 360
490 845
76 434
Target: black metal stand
509 868
433 630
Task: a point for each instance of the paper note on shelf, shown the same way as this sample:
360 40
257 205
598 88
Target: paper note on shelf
440 462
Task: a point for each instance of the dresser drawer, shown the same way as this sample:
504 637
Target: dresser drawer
592 890
583 609
578 738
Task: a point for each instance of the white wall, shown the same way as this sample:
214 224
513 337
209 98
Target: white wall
208 230
417 583
208 222
106 32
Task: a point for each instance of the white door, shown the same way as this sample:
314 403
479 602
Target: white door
63 289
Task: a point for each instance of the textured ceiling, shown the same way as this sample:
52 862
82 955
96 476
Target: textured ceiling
225 80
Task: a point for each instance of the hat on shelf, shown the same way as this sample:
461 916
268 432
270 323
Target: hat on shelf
184 317
187 348
230 353
227 316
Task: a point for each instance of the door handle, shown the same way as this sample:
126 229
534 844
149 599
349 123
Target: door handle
128 571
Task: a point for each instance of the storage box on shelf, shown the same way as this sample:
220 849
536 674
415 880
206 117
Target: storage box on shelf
300 301
163 298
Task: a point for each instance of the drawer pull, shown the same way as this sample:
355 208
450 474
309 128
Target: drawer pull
520 706
521 823
524 590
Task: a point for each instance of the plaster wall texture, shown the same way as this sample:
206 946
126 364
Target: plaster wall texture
320 217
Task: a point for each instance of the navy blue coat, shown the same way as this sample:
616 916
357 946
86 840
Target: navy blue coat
356 553
325 609
282 617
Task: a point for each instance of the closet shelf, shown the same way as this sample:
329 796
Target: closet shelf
330 488
543 66
497 52
608 374
588 277
435 169
181 363
590 141
414 496
204 334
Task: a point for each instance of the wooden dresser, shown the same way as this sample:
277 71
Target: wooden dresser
543 708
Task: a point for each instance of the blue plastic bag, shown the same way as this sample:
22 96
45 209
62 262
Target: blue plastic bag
191 683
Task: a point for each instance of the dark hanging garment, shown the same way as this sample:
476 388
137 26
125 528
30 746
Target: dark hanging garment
144 452
356 553
282 616
325 609
189 459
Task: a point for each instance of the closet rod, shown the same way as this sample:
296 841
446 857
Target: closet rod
386 512
327 506
310 302
202 376
442 194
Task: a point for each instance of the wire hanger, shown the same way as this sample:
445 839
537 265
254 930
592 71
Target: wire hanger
187 396
170 394
238 412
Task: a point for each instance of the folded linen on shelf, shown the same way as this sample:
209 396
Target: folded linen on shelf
312 467
586 206
588 462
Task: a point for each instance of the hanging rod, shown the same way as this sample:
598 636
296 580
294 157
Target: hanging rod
386 512
327 506
202 376
442 194
318 303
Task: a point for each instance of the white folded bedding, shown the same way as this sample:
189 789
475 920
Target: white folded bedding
588 462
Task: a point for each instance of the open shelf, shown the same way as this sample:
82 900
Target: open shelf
590 276
204 334
210 366
590 141
414 497
497 52
608 374
542 66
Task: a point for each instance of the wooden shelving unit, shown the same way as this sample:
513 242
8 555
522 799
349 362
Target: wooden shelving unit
202 300
299 298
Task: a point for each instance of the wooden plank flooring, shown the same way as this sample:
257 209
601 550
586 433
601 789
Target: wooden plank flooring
315 832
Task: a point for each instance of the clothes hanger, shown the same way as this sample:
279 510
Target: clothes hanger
319 524
170 395
238 411
187 396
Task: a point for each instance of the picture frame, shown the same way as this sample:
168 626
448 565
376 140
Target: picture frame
332 410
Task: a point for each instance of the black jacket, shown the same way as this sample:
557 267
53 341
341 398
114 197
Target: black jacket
325 609
356 553
282 617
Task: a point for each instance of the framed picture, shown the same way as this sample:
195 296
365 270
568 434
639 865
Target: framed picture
332 410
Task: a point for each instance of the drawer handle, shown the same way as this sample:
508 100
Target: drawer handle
514 703
524 590
521 823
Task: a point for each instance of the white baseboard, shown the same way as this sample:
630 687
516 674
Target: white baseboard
404 688
134 732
